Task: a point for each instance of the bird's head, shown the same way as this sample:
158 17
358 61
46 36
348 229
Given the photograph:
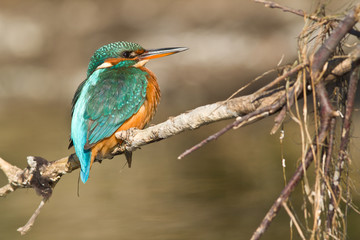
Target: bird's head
126 54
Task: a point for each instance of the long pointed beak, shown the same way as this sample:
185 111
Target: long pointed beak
161 52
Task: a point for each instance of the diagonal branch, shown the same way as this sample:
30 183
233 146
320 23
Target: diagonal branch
328 47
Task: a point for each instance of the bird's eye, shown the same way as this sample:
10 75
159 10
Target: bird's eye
129 54
126 54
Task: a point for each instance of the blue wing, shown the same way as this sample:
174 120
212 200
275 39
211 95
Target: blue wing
107 99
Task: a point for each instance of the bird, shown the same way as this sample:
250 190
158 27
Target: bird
119 93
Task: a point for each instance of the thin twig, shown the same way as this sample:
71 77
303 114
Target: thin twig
283 77
345 136
293 219
248 84
301 13
298 12
23 230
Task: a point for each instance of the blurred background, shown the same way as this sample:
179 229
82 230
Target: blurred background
222 191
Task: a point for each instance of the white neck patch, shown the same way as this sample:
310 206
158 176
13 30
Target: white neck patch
105 65
141 63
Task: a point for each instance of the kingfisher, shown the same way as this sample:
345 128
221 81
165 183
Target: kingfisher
119 93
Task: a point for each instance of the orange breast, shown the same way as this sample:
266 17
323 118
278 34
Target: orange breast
103 148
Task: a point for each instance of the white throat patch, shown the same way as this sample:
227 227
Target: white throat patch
141 63
105 65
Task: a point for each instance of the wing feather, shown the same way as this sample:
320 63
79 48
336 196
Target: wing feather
112 100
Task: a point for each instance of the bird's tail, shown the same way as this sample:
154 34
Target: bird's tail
85 165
